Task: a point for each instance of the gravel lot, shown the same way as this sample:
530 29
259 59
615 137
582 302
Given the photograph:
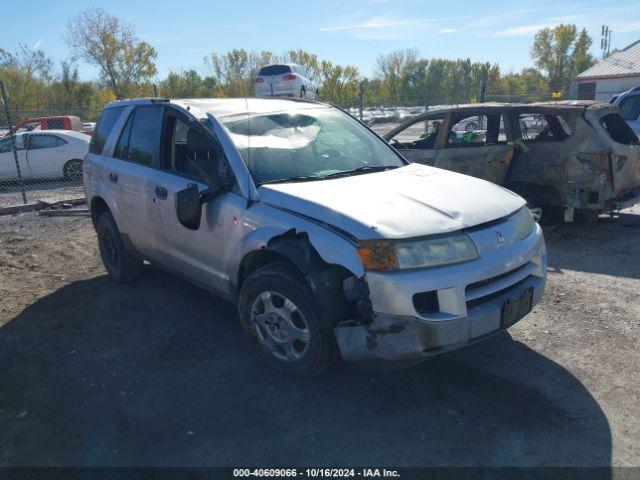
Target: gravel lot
49 191
157 373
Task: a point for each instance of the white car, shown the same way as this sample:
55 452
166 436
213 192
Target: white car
44 154
285 80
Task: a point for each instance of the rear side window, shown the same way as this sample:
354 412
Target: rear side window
618 129
140 139
103 129
275 70
630 107
536 127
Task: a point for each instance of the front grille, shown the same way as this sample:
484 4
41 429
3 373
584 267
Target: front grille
497 278
487 298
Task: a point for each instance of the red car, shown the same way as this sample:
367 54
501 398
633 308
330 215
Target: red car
62 122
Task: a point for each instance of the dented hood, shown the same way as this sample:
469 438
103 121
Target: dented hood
411 201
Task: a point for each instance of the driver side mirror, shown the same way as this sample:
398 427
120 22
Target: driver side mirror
189 207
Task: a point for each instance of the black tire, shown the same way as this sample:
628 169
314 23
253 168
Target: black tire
280 279
72 170
303 93
552 215
119 263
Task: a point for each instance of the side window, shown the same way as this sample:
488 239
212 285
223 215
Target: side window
140 139
630 107
536 127
37 142
470 131
103 129
420 135
189 151
122 147
5 145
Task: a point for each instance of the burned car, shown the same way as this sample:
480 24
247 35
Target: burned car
564 158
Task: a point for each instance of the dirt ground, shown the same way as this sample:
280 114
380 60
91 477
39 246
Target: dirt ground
157 373
49 191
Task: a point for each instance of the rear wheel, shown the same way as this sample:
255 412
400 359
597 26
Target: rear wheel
119 263
72 170
282 320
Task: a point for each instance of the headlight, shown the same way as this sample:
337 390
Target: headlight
388 255
524 222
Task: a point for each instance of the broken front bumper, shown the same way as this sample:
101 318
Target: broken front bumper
390 337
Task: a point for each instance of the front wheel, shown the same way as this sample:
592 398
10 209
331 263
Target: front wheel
281 319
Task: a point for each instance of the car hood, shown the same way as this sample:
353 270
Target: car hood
411 201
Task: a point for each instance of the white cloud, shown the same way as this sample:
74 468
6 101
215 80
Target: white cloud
447 30
520 31
374 23
37 44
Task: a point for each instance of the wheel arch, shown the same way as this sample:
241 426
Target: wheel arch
539 194
98 206
294 248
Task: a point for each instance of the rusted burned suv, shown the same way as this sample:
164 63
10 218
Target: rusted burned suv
324 236
565 158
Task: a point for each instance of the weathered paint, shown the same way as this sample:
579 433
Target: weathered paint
588 170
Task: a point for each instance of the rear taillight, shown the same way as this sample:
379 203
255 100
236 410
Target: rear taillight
259 80
289 77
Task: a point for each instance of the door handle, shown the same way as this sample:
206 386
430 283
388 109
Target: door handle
113 177
161 192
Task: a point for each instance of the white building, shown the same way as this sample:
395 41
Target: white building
617 73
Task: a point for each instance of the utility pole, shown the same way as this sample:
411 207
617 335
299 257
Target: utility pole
605 41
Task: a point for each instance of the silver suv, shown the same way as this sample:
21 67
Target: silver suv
324 236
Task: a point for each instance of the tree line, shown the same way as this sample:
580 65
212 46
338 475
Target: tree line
127 68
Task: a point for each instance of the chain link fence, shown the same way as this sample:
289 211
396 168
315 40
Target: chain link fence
41 154
41 151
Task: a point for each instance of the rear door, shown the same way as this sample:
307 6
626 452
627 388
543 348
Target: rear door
191 155
131 171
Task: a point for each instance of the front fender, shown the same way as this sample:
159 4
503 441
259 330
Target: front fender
272 223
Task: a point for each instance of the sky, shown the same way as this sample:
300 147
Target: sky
350 32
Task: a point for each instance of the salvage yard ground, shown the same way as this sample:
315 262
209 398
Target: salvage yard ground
157 373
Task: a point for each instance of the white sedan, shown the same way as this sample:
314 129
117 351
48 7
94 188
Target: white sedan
44 154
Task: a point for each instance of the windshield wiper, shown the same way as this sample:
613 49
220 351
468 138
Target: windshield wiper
299 178
363 169
309 178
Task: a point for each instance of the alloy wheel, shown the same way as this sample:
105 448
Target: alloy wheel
280 326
